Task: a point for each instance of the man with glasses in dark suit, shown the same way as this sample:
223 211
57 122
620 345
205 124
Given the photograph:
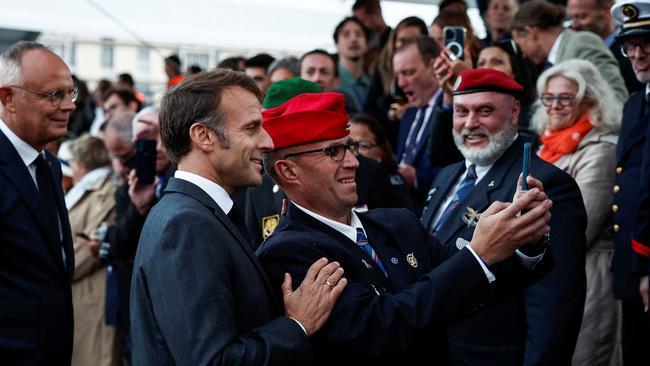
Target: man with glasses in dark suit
37 95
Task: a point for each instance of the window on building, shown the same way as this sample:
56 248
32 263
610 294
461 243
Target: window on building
143 61
107 53
197 58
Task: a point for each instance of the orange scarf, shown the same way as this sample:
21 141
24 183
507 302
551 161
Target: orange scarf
562 142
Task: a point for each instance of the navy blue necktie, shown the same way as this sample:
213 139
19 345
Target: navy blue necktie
362 242
47 193
463 189
410 146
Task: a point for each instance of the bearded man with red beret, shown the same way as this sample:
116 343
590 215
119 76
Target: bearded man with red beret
523 330
404 288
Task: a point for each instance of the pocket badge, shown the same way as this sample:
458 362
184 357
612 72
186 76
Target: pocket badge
411 260
269 223
471 217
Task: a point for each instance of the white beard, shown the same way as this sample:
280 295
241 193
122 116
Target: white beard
498 143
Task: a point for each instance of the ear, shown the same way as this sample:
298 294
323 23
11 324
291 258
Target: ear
516 108
203 137
7 99
133 106
286 171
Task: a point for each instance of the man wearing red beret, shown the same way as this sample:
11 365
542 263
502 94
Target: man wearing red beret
523 330
199 294
400 295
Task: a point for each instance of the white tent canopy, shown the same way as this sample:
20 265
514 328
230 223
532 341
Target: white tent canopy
282 25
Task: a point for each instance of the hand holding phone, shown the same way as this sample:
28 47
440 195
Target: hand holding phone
526 166
454 40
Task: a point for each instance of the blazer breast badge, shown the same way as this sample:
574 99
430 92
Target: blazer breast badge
471 217
269 223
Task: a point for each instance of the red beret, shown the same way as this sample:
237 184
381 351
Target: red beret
484 80
307 118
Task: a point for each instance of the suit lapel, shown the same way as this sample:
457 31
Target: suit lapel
481 196
16 172
182 186
439 190
420 148
404 128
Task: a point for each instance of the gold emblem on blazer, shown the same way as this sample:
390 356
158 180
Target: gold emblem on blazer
411 260
630 11
269 223
471 217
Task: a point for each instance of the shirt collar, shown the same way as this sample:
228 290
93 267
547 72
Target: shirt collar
481 170
26 152
215 191
554 50
350 231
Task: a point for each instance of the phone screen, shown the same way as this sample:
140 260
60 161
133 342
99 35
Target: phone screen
454 39
526 166
145 161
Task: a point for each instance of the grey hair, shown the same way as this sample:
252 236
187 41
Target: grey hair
11 61
290 64
121 123
607 110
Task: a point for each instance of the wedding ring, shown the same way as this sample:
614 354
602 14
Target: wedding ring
328 284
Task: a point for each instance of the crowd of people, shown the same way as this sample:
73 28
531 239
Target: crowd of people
363 207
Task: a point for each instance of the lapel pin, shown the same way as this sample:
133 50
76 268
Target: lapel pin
471 217
412 261
366 264
394 260
491 184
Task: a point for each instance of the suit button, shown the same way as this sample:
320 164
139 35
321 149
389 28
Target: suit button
616 188
614 208
616 228
619 169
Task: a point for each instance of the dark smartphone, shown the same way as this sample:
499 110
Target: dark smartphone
526 166
454 40
145 161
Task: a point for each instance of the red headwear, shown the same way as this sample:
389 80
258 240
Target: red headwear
307 118
482 80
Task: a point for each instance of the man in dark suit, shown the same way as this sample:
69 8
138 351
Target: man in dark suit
413 65
37 95
199 295
524 329
630 262
400 296
264 203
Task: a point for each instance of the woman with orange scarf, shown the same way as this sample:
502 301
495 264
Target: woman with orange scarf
578 117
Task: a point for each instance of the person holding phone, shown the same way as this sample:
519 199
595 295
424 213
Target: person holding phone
522 330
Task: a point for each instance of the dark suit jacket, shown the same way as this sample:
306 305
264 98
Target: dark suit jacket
374 189
199 296
419 298
627 265
425 169
36 321
523 330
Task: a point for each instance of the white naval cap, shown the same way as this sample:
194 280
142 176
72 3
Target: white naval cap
632 16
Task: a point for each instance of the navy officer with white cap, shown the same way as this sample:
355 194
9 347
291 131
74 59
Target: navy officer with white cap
630 262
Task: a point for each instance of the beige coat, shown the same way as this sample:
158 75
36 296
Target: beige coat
95 343
592 166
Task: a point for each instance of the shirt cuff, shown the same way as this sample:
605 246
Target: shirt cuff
488 273
301 327
529 262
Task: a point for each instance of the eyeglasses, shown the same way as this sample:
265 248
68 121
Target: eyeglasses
335 152
56 97
628 48
565 100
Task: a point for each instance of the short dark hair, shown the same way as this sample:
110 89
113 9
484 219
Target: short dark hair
194 69
343 22
262 60
127 96
126 78
231 63
173 61
446 3
537 13
320 51
413 21
388 161
427 47
368 6
198 99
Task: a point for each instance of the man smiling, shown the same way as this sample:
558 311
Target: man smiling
522 330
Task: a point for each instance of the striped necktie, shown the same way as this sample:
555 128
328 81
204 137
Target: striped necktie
461 192
362 242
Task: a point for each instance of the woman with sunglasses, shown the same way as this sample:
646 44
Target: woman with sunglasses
578 117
